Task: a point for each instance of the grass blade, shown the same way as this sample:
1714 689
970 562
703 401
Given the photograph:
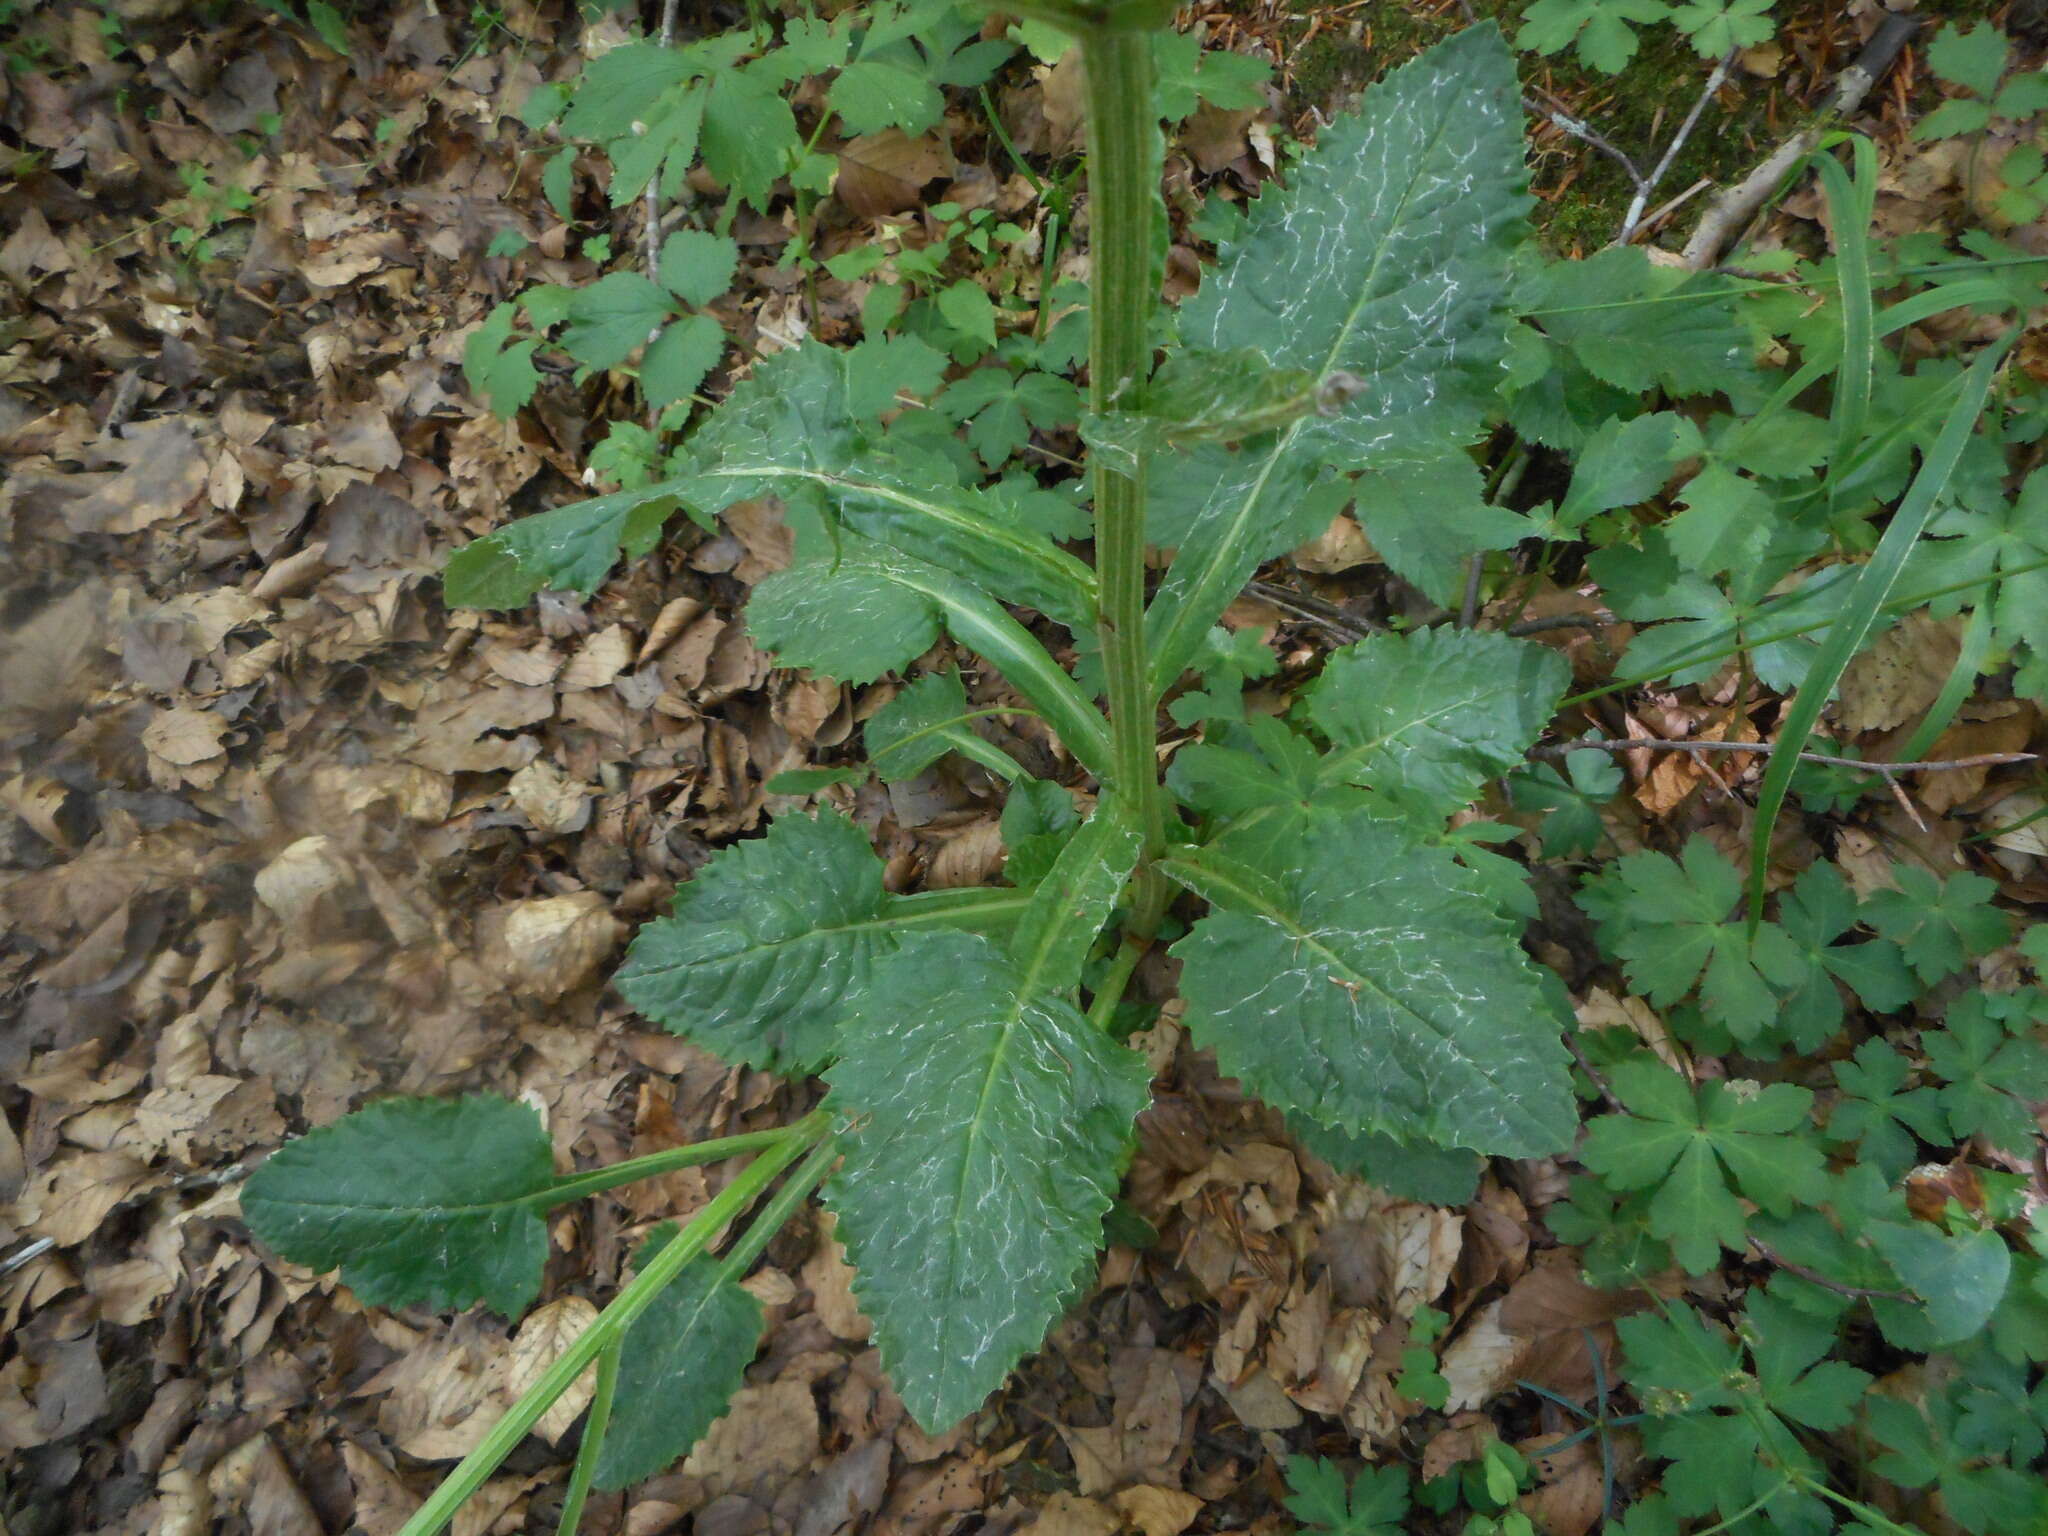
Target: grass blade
1852 627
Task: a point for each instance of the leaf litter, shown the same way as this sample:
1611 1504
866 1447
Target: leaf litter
283 835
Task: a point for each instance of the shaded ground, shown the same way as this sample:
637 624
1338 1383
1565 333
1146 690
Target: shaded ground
281 834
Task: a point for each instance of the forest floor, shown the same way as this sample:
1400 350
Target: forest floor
279 833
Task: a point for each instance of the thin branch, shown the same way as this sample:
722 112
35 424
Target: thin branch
1309 610
1577 129
651 199
1556 621
1740 203
1765 748
1825 1282
1645 188
1593 1076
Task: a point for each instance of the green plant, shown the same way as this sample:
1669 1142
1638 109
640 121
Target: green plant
207 206
971 1218
1347 954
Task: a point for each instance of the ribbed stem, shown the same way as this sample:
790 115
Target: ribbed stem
1123 195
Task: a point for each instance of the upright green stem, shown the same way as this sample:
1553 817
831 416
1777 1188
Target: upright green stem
498 1443
1123 194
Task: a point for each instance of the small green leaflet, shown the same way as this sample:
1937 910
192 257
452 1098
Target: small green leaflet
612 318
419 1202
1427 519
681 1361
1939 924
1375 1505
1364 979
770 946
1993 1079
1600 31
985 1135
1038 820
1717 26
697 266
675 365
1729 1433
1691 1144
1972 57
498 368
921 725
1879 1114
1668 923
1961 1279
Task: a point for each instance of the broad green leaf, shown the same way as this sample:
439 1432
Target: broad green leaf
1038 821
1385 257
1626 463
612 317
770 946
870 96
1365 980
681 1361
418 1202
969 310
667 149
570 549
1429 717
1376 1504
697 266
985 1135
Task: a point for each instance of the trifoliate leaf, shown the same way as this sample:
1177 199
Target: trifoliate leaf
419 1202
1375 1505
679 1365
1185 76
1819 909
1693 1144
1429 717
1716 26
770 946
1363 978
985 1135
496 367
1880 1114
1992 1080
697 266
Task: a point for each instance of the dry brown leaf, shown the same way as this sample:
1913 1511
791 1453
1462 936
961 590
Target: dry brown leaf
887 172
1899 674
1154 1511
541 1340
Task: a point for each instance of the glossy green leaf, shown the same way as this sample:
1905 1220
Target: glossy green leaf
1363 978
985 1135
418 1202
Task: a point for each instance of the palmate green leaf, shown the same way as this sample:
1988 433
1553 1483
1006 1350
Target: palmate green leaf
769 949
679 1365
985 1135
1365 980
1427 718
1690 1144
419 1202
1385 257
1601 32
